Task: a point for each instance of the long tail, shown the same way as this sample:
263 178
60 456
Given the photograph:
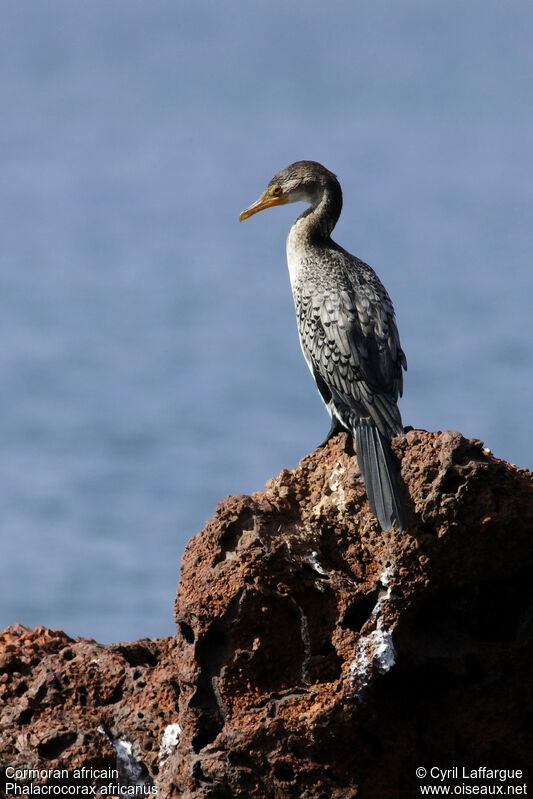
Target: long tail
377 469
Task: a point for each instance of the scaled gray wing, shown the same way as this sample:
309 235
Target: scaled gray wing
350 339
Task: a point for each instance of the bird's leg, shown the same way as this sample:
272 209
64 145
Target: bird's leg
336 427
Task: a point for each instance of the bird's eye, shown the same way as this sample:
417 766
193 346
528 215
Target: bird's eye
277 191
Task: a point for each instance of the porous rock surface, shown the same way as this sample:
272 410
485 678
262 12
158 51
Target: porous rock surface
68 704
316 656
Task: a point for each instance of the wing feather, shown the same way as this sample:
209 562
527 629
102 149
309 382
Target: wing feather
349 338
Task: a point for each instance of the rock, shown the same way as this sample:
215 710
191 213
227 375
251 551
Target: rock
71 704
316 656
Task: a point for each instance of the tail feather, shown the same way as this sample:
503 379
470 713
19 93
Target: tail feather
377 469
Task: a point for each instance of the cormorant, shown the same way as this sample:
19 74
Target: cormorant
347 330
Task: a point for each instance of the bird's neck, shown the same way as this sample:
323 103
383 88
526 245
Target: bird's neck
317 222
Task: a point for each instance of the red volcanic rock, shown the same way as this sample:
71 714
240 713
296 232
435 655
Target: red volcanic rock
316 656
70 704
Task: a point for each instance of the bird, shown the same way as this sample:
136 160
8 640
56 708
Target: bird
347 331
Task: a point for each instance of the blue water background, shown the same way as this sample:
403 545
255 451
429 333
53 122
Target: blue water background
149 360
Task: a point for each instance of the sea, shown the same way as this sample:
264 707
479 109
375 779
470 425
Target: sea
149 361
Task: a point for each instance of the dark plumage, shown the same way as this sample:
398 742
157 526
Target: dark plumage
347 330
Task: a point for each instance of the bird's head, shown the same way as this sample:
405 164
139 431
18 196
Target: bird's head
302 181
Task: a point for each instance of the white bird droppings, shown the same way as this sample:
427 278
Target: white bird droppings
170 739
377 648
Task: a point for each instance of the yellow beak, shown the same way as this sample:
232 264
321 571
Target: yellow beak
265 201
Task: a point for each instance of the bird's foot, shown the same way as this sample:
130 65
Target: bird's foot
335 428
